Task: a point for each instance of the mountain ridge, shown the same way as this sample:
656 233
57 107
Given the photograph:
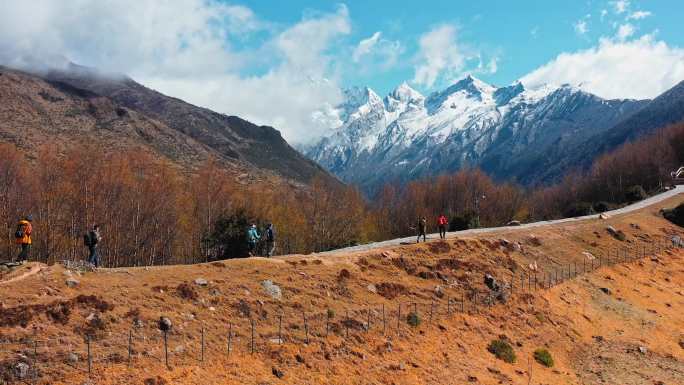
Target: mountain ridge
511 132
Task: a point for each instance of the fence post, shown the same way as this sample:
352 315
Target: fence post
252 347
346 324
369 319
230 336
306 329
90 358
384 323
130 347
202 345
35 360
166 348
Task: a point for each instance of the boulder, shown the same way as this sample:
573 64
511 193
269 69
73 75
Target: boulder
165 324
491 283
603 216
21 370
272 289
371 287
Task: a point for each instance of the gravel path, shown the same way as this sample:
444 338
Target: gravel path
412 239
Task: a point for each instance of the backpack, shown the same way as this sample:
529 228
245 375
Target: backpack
19 234
87 240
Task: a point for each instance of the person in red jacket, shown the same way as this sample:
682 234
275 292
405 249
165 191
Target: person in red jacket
442 223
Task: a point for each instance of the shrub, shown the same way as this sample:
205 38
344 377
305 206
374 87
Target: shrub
579 209
459 223
635 193
502 350
676 215
543 357
602 206
413 319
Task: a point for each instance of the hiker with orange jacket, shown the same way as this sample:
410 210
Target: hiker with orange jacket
23 237
442 223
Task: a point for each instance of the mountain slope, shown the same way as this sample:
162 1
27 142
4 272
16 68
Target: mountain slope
81 104
511 132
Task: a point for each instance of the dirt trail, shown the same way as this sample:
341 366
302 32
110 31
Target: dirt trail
34 269
654 200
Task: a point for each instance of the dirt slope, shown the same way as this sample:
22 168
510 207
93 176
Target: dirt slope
617 324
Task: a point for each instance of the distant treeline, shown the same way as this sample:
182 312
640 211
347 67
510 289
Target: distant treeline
151 213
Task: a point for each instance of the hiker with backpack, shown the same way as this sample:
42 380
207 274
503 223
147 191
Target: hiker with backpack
270 240
442 223
22 237
422 229
91 239
252 239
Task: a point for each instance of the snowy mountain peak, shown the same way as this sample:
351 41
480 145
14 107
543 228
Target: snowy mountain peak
405 93
504 95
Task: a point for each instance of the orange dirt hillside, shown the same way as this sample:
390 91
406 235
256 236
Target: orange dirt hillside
338 315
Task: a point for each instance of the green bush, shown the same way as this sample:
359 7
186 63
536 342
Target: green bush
543 357
502 350
635 193
413 319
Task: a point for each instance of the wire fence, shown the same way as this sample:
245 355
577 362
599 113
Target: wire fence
30 359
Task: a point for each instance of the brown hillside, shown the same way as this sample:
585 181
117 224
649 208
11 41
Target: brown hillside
620 323
81 106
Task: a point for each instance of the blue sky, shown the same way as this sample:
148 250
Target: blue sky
522 35
284 63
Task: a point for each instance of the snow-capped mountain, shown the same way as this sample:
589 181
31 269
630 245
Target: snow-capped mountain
511 132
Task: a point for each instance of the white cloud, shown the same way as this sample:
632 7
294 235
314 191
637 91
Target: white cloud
620 6
581 27
189 49
377 52
604 12
638 15
365 46
640 68
625 31
439 55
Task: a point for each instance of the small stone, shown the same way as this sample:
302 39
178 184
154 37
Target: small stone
179 349
138 324
439 291
211 308
277 372
201 282
643 350
276 341
605 290
299 359
215 292
603 216
72 282
272 289
73 358
371 287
